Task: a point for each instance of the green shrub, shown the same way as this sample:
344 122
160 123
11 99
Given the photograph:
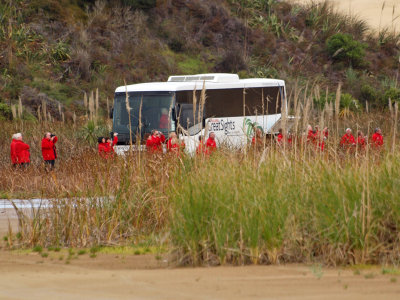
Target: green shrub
368 93
323 99
342 47
91 131
141 4
37 248
5 112
348 105
392 94
60 52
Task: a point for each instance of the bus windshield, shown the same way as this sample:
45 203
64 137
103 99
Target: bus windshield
155 112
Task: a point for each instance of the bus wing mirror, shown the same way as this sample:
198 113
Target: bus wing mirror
185 115
111 113
173 114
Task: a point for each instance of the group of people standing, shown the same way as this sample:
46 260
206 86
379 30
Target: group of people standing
349 142
317 138
154 144
106 146
20 151
174 145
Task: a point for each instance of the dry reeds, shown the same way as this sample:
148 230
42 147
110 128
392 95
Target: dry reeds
330 206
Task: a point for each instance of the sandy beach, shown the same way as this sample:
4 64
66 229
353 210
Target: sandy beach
143 277
371 11
29 275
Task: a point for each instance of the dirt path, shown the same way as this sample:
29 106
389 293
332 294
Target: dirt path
29 276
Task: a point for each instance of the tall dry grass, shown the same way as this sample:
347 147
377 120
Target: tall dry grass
276 204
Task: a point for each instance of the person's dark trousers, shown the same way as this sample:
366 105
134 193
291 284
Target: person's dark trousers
49 163
20 165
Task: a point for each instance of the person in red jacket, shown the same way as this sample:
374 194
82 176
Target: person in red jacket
109 146
201 148
103 147
290 139
361 141
311 134
321 136
155 141
348 142
211 144
257 140
49 149
20 155
279 137
163 123
172 136
377 139
176 146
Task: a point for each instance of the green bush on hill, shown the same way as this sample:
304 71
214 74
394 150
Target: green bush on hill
5 112
342 47
368 93
393 94
141 4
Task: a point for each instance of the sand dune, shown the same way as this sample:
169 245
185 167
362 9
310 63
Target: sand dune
371 11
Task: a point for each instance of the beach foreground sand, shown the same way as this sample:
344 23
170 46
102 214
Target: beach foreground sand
29 276
370 11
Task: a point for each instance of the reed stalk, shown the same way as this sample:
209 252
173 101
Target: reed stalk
128 109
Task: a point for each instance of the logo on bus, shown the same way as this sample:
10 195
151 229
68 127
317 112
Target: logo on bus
222 125
250 127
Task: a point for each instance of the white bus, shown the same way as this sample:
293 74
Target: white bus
233 107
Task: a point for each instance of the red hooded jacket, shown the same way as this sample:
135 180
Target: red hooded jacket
19 152
175 148
163 124
211 145
49 149
361 142
153 143
103 149
279 138
377 140
106 150
347 140
202 149
311 136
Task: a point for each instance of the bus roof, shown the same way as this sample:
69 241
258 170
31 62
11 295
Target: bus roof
191 82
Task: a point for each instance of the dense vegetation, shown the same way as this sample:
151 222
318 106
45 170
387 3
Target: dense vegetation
55 50
274 205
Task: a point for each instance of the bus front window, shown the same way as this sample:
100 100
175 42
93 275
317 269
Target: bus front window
151 109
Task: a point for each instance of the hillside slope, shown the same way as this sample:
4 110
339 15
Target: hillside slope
55 50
